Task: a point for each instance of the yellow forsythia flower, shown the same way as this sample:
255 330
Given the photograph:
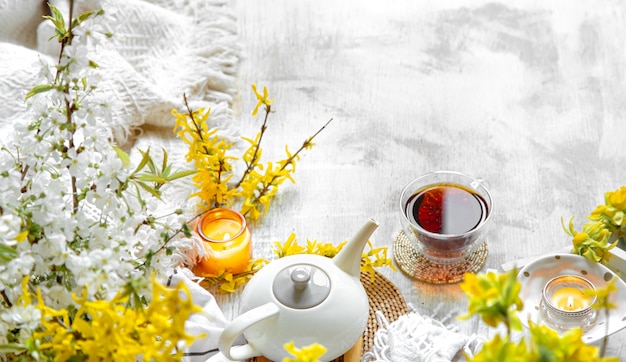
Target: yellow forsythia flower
114 331
228 283
325 249
208 152
289 247
373 258
305 354
605 227
617 198
501 349
380 259
254 189
495 297
544 344
263 99
547 345
602 295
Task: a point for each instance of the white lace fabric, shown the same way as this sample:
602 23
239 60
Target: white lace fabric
416 338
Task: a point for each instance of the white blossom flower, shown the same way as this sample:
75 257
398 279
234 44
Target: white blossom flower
13 271
9 229
80 266
89 226
78 56
57 297
18 316
53 248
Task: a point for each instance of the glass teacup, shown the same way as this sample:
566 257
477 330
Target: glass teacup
445 215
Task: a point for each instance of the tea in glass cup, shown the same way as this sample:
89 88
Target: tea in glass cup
445 216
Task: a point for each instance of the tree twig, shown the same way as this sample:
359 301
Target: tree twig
253 161
6 299
288 162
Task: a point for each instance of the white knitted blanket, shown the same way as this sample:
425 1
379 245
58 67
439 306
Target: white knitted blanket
160 50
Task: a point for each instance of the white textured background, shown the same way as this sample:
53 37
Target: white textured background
529 95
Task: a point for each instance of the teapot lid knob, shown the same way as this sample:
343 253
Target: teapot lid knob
300 277
301 286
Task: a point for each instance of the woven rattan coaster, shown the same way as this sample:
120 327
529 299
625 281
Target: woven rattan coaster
417 266
383 296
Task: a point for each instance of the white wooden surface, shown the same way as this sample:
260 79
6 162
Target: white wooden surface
528 95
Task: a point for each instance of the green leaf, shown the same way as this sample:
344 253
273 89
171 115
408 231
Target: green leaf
618 218
82 17
181 174
58 15
139 198
12 348
164 164
7 253
166 171
151 165
122 155
150 189
145 157
58 21
186 230
39 89
152 178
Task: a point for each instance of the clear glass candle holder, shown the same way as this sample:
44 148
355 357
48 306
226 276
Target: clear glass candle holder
564 304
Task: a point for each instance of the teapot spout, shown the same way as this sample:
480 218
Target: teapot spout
349 258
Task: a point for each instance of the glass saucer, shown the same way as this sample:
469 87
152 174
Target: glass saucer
538 272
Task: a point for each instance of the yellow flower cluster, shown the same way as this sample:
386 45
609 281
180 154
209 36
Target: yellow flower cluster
228 282
208 151
602 295
261 184
252 191
255 188
114 330
310 353
495 298
605 227
604 304
544 344
291 247
373 258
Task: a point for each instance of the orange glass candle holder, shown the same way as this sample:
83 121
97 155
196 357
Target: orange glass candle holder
226 241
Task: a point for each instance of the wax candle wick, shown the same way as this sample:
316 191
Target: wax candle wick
570 302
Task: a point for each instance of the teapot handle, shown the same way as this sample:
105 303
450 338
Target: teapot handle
238 326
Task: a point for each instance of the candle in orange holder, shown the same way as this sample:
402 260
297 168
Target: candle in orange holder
565 305
227 242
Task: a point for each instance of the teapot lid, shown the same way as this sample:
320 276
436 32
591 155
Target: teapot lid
301 286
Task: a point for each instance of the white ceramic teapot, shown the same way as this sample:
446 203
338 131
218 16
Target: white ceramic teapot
305 299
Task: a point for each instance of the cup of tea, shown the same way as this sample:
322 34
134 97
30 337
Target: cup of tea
445 215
